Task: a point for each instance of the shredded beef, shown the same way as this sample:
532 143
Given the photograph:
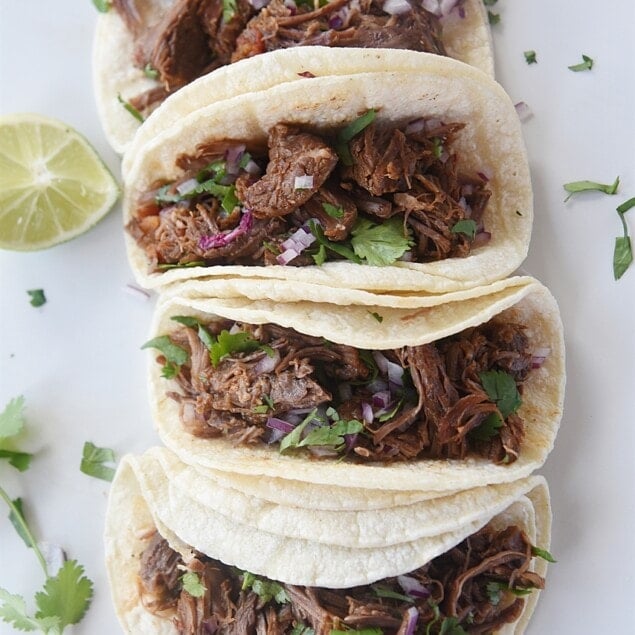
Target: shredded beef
474 582
440 412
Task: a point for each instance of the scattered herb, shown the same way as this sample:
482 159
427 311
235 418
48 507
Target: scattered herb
489 3
384 592
174 355
361 631
351 130
339 248
530 57
332 435
502 390
587 186
466 226
228 343
451 626
623 251
542 553
585 65
16 516
265 407
130 108
380 245
229 10
378 317
93 459
301 629
166 266
333 211
267 590
150 72
37 297
192 584
11 424
493 18
294 437
494 592
103 6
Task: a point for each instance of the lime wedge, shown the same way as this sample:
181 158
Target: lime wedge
53 185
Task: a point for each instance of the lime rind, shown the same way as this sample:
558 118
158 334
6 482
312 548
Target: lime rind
53 184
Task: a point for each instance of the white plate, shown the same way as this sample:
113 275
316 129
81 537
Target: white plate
78 363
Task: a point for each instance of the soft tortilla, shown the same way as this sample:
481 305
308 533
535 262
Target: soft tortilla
491 142
468 40
138 504
527 302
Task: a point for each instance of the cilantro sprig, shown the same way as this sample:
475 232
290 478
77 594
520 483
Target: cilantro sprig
623 251
380 244
575 187
466 226
585 65
175 356
267 590
11 425
37 297
130 108
192 584
530 57
502 390
94 459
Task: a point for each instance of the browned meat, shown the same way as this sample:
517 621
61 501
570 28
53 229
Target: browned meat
222 35
334 209
159 575
472 582
293 155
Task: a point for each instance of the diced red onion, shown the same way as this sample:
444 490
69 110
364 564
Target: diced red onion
211 625
136 291
433 123
432 6
286 256
407 256
467 190
291 5
486 174
299 240
275 435
415 126
396 7
187 186
523 111
252 168
304 182
482 238
440 8
394 371
280 424
258 4
411 624
444 156
367 412
267 363
350 440
412 587
447 6
336 22
381 399
233 155
539 357
222 239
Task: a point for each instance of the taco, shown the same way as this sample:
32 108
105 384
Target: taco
436 398
181 567
146 50
420 176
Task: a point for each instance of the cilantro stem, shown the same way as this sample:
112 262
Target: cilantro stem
25 528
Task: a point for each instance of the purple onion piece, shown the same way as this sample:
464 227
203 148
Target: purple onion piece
412 587
396 7
286 256
233 155
267 363
411 624
381 399
415 126
220 240
394 371
279 424
350 440
367 412
336 22
481 239
523 111
447 6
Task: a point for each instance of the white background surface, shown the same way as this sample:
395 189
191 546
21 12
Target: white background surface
77 359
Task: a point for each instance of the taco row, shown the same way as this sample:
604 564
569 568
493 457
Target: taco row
352 395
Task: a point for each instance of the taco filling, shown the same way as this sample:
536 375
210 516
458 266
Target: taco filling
266 384
369 193
196 36
475 587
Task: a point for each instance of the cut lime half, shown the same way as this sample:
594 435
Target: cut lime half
53 185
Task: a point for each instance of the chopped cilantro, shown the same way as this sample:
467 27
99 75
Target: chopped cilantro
451 626
376 315
380 244
351 130
493 18
265 407
228 343
267 590
103 6
192 584
339 248
166 266
93 459
332 435
302 629
130 108
437 147
389 415
229 10
542 553
585 65
623 251
494 592
292 439
466 226
333 211
11 424
37 297
488 429
501 388
384 592
586 186
530 57
20 460
150 72
174 355
489 3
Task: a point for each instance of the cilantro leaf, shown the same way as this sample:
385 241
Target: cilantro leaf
103 6
12 418
332 435
302 629
384 592
292 439
13 611
437 147
186 320
333 211
466 226
585 65
37 297
20 460
493 18
576 187
351 130
18 521
530 57
267 590
93 459
451 626
377 316
66 596
501 389
192 584
488 429
489 3
623 251
229 10
380 245
228 343
150 72
542 553
130 108
339 248
175 356
494 592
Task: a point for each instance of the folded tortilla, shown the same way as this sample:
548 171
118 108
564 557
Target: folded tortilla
140 503
115 73
520 300
441 89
